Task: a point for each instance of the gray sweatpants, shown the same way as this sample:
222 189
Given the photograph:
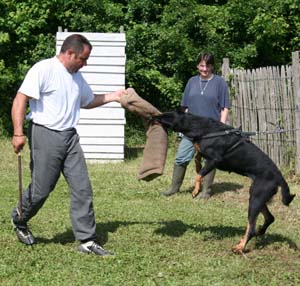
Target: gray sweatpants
52 153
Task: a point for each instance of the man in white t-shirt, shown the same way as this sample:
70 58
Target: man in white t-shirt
56 90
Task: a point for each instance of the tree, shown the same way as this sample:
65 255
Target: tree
164 38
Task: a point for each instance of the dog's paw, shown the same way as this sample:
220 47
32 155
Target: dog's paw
195 193
237 249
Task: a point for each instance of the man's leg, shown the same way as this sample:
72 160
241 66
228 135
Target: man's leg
81 210
45 170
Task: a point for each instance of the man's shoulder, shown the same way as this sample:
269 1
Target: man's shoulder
44 64
47 61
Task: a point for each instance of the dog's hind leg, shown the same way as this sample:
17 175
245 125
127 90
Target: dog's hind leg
198 178
269 219
253 212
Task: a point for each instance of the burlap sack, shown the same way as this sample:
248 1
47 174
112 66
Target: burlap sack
155 151
134 103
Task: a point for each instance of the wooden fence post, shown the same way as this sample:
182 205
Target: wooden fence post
226 74
225 69
296 84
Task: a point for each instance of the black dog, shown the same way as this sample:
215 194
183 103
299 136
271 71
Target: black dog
227 149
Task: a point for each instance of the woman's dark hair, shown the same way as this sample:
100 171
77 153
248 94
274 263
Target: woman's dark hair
75 42
207 57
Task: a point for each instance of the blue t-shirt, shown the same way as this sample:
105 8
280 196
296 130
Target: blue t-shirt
206 98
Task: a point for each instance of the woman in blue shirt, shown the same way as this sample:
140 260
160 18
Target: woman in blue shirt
205 95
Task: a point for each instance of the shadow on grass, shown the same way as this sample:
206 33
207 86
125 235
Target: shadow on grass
102 230
219 188
178 228
60 238
174 229
133 152
267 239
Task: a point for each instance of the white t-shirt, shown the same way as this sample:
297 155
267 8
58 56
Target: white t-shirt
57 95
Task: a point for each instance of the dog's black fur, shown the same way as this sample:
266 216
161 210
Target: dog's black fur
226 148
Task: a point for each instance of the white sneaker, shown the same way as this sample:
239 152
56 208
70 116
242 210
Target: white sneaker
92 247
23 233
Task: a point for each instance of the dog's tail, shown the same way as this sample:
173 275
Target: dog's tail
285 192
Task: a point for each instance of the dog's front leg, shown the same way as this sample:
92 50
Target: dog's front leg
209 166
197 186
250 232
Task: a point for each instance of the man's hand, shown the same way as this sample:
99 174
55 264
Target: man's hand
119 93
18 142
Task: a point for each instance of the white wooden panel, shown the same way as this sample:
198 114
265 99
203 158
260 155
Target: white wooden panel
111 51
100 89
102 148
102 140
103 37
108 43
107 61
103 161
103 113
94 78
100 130
99 44
107 105
104 155
104 51
103 69
90 121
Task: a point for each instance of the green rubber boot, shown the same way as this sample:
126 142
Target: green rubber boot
206 185
177 179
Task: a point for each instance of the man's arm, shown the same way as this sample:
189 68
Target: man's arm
18 111
101 99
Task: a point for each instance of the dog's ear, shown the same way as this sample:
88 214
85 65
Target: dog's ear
166 119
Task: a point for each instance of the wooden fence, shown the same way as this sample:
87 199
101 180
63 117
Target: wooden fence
267 100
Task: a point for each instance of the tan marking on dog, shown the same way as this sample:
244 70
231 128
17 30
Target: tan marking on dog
240 247
197 186
198 178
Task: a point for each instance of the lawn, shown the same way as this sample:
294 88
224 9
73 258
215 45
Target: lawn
156 240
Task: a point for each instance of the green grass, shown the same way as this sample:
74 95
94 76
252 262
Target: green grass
156 240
